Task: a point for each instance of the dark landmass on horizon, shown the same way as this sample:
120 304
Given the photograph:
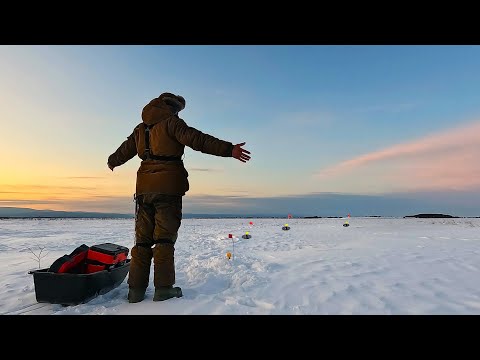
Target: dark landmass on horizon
431 216
14 212
26 213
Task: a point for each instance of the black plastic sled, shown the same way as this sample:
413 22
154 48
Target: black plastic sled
74 289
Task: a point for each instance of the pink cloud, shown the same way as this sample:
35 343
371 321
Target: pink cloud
447 160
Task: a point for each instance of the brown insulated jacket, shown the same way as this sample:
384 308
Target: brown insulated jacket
168 137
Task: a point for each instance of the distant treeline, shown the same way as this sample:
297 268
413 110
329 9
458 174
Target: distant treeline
64 217
430 216
221 216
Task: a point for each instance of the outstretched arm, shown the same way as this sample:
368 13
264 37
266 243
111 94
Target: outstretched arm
125 152
198 140
206 143
239 153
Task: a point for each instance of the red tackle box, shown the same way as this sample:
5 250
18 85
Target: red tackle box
105 257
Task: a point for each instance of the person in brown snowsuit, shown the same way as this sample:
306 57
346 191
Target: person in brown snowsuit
160 140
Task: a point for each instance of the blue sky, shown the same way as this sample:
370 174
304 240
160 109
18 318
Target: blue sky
357 120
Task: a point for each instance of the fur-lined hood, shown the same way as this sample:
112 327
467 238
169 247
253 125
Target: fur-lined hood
162 108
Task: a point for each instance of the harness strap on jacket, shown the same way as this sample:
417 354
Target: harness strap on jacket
148 153
147 140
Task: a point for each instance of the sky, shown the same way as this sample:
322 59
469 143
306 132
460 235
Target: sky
323 123
384 266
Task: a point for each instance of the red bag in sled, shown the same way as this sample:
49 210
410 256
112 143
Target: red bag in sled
73 263
105 256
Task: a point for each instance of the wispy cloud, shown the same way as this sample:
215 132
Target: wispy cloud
23 202
204 169
391 108
305 118
46 192
83 177
232 190
444 160
45 187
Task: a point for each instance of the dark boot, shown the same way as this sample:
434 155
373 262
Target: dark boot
167 292
136 295
138 275
163 265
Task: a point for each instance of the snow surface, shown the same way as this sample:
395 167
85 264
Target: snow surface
374 266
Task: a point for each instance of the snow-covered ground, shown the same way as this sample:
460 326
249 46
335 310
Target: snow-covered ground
374 266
